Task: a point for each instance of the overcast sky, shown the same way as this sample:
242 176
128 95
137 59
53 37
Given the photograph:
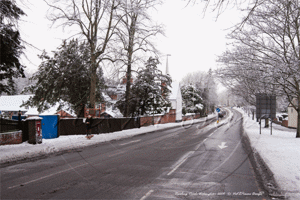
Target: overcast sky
192 39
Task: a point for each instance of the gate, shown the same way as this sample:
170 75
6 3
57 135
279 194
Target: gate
49 126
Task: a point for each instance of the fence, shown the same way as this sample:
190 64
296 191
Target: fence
7 125
107 125
77 126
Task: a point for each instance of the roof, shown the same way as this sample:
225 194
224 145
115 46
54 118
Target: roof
109 113
106 97
13 103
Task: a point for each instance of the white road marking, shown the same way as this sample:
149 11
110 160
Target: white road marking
223 145
198 146
180 162
147 195
38 179
213 132
134 141
186 156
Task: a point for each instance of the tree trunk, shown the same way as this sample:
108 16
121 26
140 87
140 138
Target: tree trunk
93 82
267 123
131 39
127 94
298 122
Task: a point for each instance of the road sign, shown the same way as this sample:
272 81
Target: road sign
265 106
218 110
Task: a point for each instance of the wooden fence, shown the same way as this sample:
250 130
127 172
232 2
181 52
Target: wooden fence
7 125
78 127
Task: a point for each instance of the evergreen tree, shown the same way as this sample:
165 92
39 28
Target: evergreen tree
192 100
10 46
65 79
149 92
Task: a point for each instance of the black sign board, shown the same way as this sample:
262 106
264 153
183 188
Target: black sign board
265 106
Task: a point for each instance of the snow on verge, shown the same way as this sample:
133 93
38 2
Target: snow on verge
280 151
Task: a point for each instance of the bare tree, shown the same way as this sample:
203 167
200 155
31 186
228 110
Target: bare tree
134 34
220 6
270 43
95 21
243 77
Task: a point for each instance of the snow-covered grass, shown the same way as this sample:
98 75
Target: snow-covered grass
280 151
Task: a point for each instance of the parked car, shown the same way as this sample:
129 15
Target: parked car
222 114
282 116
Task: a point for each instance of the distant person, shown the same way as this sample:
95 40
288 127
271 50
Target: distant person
88 124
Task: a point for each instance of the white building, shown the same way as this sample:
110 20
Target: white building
292 115
176 100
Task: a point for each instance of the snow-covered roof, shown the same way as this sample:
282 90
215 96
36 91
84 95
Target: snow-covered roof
109 113
113 112
174 90
13 103
106 97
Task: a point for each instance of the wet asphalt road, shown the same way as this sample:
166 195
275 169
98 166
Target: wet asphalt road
197 161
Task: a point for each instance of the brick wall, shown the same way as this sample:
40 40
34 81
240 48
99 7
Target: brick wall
285 123
190 117
159 119
11 138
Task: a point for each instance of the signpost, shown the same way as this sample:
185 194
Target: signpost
218 111
265 107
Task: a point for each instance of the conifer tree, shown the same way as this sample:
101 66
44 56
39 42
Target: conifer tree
192 100
149 92
10 46
65 79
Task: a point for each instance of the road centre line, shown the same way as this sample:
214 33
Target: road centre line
185 157
38 179
198 146
180 162
212 133
147 194
134 141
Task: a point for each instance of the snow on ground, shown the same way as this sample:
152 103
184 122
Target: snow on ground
280 151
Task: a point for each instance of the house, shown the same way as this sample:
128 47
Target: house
292 115
176 100
108 114
10 105
107 106
114 93
65 114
